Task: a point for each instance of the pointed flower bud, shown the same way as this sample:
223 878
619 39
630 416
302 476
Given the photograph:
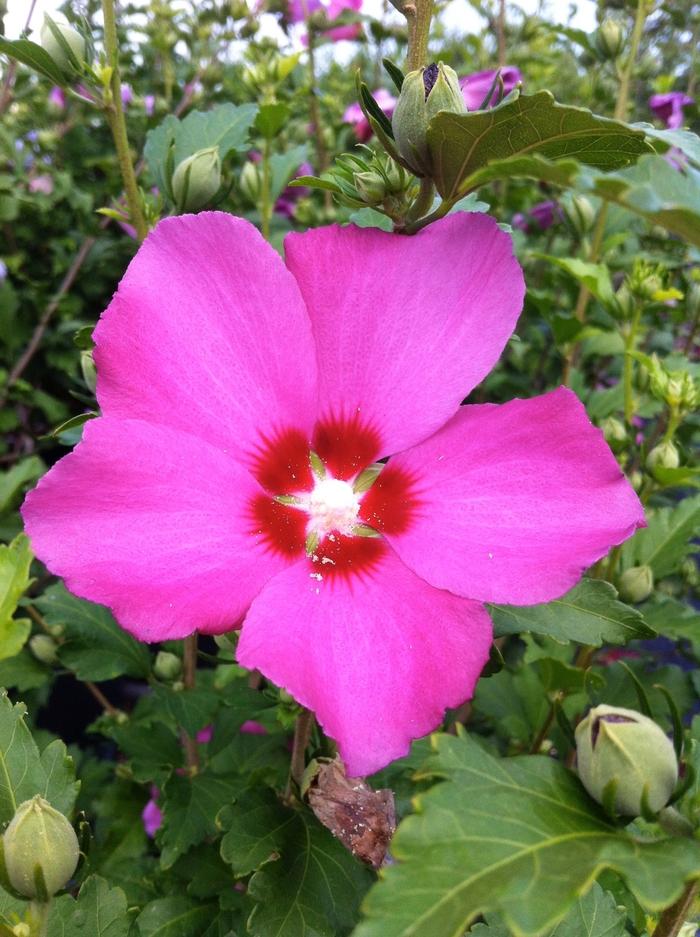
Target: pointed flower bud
197 179
167 666
664 456
43 647
250 182
580 214
624 758
609 39
424 93
636 584
370 186
56 50
613 430
39 841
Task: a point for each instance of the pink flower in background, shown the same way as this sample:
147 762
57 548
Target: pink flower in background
127 95
57 97
298 10
220 370
475 87
251 727
149 104
542 215
353 114
286 203
151 815
204 735
669 107
42 184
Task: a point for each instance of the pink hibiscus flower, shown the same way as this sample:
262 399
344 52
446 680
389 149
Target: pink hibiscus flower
191 503
475 87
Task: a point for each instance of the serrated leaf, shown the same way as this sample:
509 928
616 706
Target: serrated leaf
499 830
24 772
307 883
666 541
190 806
33 55
225 126
283 166
15 560
461 144
684 140
100 911
95 647
158 143
370 218
176 916
190 709
270 119
590 613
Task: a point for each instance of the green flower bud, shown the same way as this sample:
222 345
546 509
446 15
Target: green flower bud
370 187
665 455
625 301
72 37
579 213
197 179
43 647
636 480
690 572
609 39
636 584
39 838
87 366
167 666
613 430
250 182
623 757
424 93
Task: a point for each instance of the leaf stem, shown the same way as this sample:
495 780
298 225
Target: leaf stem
424 200
39 917
673 918
115 117
189 678
418 15
628 365
440 212
302 735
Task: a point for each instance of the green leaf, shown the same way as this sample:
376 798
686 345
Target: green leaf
595 277
461 144
666 542
499 830
12 481
590 613
226 126
159 140
96 648
270 119
684 140
100 911
283 166
190 806
370 218
190 709
31 54
176 916
307 883
24 772
15 560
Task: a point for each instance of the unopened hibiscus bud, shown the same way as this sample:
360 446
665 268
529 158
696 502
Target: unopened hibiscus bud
197 179
580 214
613 430
250 182
624 759
39 838
55 48
424 93
43 647
664 456
87 366
370 187
167 666
636 584
609 39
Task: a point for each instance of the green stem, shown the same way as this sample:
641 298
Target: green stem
39 917
302 735
423 201
115 116
418 15
189 678
628 366
265 200
674 917
439 212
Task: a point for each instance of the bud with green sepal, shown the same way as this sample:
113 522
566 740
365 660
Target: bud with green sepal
250 182
65 45
580 214
663 456
44 648
87 366
625 761
636 584
609 39
370 186
197 179
424 93
167 666
613 430
40 850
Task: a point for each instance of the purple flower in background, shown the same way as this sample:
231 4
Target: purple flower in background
541 216
42 184
353 114
3 271
286 203
149 104
340 33
127 95
298 10
204 735
252 727
669 107
151 814
475 87
57 97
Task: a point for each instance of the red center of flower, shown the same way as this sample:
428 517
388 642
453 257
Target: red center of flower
319 500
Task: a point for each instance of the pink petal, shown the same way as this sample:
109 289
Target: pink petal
207 333
515 501
377 656
155 524
151 815
405 327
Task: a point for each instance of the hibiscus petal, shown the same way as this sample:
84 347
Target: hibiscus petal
405 327
515 501
155 524
208 333
377 656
